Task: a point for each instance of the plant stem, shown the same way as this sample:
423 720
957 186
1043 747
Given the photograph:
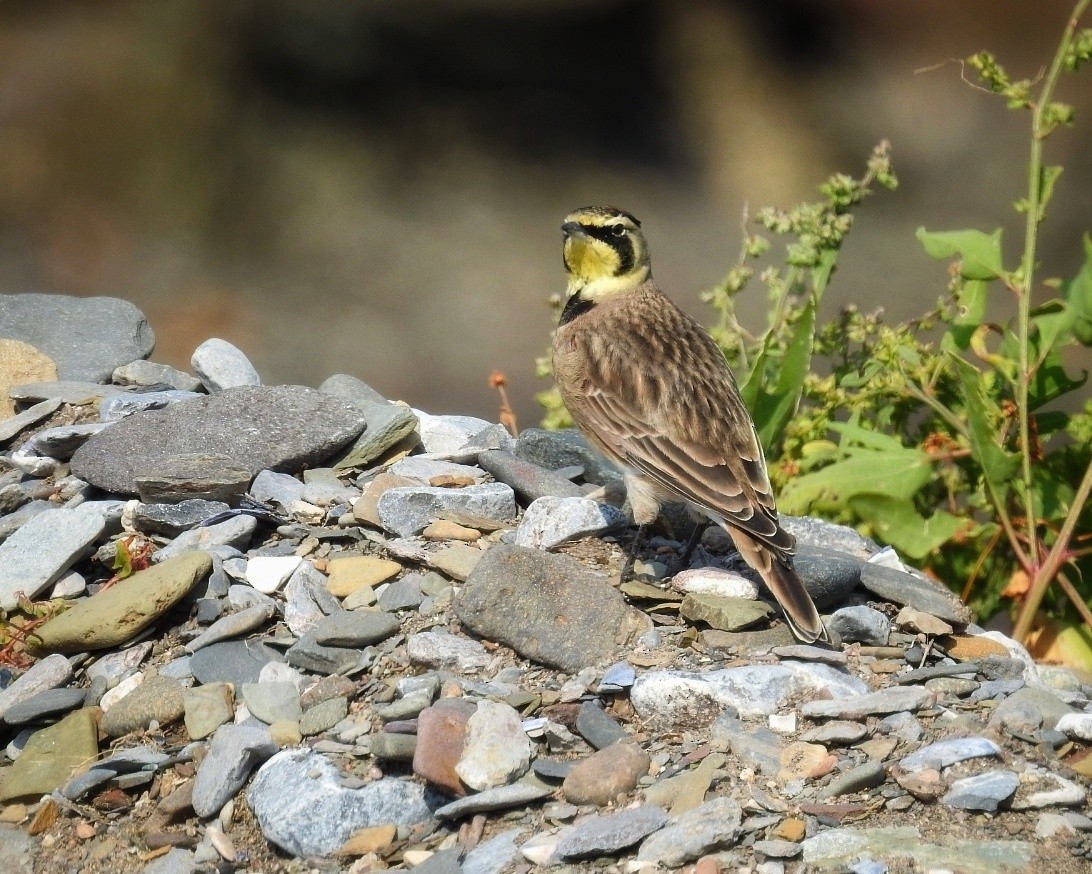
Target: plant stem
1039 133
1054 560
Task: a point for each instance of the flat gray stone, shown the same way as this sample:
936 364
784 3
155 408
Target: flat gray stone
551 521
221 365
48 673
67 391
44 548
61 442
30 416
515 794
548 608
982 791
232 625
294 784
530 481
87 337
860 624
859 779
902 845
714 825
157 699
356 628
151 375
606 834
233 661
387 423
323 716
170 520
752 690
565 448
406 510
910 589
234 752
493 855
273 702
441 649
234 532
309 655
279 428
947 752
890 700
50 703
117 407
757 747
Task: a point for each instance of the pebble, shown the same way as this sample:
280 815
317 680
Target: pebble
496 751
889 700
273 701
554 450
232 662
604 834
234 532
523 791
982 791
530 481
603 776
494 855
148 374
220 365
441 735
235 750
349 573
233 625
50 756
48 703
355 628
441 649
598 728
406 510
947 752
206 708
387 424
551 521
713 581
714 825
1076 725
47 673
267 573
860 625
157 699
724 613
323 716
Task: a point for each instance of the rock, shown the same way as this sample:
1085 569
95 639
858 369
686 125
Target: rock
804 761
232 625
44 548
603 776
45 704
713 581
43 675
323 716
406 510
457 561
232 661
890 700
493 855
597 728
267 573
170 520
915 621
459 438
387 423
280 428
349 573
234 752
13 424
176 861
723 613
204 476
982 791
116 407
356 628
836 733
273 702
19 363
220 365
860 625
309 655
234 532
1076 725
947 752
441 649
752 690
292 785
859 779
386 746
119 613
758 748
402 594
550 521
843 847
207 708
829 576
307 602
50 756
76 393
61 442
496 751
522 792
548 608
441 738
606 834
924 594
565 448
424 470
1051 789
150 375
529 481
714 825
157 699
87 337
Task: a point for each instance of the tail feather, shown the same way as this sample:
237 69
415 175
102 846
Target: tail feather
786 587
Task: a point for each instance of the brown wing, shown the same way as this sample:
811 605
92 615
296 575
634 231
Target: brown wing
662 399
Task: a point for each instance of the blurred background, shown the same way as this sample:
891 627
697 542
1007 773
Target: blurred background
376 186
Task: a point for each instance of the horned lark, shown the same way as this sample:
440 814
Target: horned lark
651 389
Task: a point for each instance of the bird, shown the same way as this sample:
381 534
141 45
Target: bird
649 387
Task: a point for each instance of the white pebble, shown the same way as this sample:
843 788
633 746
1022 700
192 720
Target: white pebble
267 573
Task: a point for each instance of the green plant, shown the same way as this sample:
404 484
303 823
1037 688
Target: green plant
943 436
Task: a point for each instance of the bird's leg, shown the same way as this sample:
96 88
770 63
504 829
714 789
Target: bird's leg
691 544
634 548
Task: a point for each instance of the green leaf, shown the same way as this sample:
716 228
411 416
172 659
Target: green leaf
1050 381
820 273
853 433
896 473
1078 295
896 521
771 411
979 253
997 465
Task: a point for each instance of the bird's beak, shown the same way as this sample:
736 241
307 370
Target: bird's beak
573 229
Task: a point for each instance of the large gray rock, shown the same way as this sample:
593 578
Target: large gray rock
303 808
405 510
281 428
87 337
548 608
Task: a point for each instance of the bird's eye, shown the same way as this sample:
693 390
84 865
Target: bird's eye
618 230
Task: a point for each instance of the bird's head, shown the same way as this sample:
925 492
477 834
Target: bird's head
605 252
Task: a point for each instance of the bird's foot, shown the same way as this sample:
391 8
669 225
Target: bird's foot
631 554
682 563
